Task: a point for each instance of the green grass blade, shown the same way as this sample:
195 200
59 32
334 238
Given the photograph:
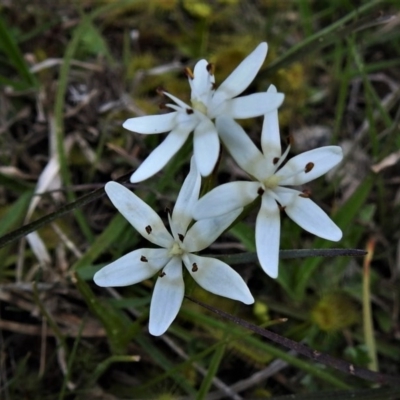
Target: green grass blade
14 55
367 311
160 359
59 122
321 39
211 373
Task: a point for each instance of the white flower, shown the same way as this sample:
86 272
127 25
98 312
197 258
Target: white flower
207 104
270 182
210 273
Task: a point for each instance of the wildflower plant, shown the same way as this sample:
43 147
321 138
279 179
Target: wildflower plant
176 248
212 117
207 103
206 309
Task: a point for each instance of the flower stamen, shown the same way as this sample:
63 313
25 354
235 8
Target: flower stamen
210 68
189 73
305 194
144 259
195 268
148 229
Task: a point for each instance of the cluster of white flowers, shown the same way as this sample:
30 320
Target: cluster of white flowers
211 118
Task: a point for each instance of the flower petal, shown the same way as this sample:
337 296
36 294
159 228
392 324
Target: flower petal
242 149
167 297
205 146
202 83
270 137
307 214
151 124
268 228
242 76
160 156
219 278
140 215
322 160
205 231
131 268
187 198
225 198
250 106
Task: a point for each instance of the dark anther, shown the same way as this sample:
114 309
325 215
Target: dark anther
281 208
167 210
309 167
194 267
189 73
148 229
161 274
210 68
290 140
162 106
189 111
214 86
275 160
260 191
160 91
305 193
181 237
144 259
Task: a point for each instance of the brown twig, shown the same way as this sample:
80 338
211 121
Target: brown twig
300 348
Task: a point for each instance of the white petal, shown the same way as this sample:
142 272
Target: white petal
225 198
205 231
151 124
219 278
270 137
242 149
167 297
323 159
130 268
140 215
249 106
160 156
205 146
187 198
242 76
268 228
201 84
307 214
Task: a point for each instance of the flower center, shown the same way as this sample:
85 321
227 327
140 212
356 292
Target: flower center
272 182
199 106
176 250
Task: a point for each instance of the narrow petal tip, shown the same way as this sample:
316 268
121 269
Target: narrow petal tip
262 48
100 280
335 234
111 186
248 299
157 330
